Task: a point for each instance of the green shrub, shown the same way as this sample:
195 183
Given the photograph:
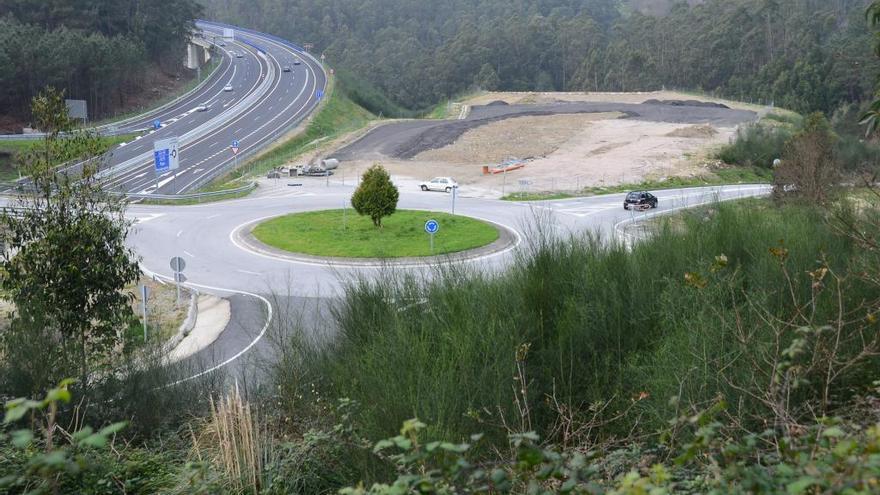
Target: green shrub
857 155
756 145
584 331
827 457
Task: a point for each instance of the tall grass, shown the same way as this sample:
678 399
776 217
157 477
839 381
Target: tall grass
584 332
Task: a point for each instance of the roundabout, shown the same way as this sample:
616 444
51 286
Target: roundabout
222 257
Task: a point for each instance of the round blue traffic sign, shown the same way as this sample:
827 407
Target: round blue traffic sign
235 143
431 226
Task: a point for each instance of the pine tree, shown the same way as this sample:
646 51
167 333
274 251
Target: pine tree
377 196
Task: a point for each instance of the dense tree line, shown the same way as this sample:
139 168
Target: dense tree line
96 50
803 54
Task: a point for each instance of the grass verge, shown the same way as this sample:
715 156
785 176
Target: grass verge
343 233
722 176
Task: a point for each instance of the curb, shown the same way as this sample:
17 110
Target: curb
242 237
189 322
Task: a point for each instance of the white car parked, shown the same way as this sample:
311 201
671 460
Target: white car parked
445 184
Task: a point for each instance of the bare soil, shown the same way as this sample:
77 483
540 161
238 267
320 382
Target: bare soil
570 141
522 137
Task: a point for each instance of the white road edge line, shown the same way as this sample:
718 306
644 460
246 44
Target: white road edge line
330 264
239 353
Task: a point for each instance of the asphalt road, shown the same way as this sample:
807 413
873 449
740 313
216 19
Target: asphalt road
205 236
264 102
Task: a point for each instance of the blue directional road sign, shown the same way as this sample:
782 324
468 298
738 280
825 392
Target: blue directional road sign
161 160
165 155
157 124
319 94
432 227
235 143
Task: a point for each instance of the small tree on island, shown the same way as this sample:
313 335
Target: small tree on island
376 197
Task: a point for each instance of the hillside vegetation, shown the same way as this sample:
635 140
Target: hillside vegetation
805 55
100 51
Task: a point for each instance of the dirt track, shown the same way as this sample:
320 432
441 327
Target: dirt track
405 140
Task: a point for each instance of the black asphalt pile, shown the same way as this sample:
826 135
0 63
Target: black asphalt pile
404 140
686 103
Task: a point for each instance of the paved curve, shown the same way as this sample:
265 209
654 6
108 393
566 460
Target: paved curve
281 100
204 236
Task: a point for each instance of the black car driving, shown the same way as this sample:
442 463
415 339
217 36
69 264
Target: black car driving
640 200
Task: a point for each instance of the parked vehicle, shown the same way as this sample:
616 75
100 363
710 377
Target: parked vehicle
445 184
639 200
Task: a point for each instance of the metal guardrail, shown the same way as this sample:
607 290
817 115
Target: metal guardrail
275 135
213 123
206 128
113 128
189 196
7 189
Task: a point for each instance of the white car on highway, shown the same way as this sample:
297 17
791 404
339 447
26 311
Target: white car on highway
228 87
445 184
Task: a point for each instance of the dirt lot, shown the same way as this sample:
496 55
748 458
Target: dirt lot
569 140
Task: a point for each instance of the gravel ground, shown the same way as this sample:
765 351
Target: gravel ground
405 140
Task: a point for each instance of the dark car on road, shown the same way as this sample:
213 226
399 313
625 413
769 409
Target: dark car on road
639 200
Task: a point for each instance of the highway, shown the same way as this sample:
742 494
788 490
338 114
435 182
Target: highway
209 238
265 102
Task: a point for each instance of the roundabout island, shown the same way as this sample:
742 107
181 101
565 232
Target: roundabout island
343 234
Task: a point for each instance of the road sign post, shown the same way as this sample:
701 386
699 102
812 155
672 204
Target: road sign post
145 292
234 149
177 266
432 227
454 189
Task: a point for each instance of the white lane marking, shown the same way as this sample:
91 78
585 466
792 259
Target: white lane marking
138 176
247 272
147 217
157 187
212 216
309 77
179 232
239 353
188 253
213 144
